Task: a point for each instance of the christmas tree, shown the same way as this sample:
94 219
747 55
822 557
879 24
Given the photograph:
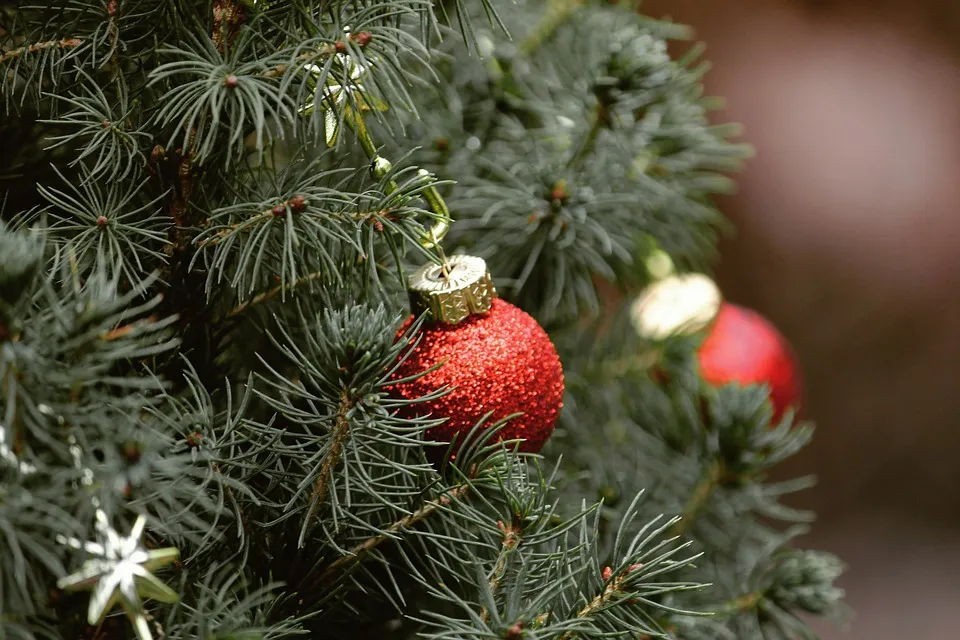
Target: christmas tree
285 289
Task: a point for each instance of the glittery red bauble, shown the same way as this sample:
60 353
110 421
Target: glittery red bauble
501 361
742 346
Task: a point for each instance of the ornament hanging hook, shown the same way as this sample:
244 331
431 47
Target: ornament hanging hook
380 167
431 239
439 230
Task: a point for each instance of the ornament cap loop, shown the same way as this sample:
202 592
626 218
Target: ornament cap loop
676 305
464 290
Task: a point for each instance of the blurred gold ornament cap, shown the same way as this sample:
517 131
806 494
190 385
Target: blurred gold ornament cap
452 292
676 305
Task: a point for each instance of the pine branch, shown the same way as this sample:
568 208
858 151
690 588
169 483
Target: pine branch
601 120
233 499
184 191
382 168
742 604
556 15
700 497
599 601
228 17
271 293
295 204
356 553
511 539
309 57
65 43
341 433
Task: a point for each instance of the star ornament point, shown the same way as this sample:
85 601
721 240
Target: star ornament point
120 571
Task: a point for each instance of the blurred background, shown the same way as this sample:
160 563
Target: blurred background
849 240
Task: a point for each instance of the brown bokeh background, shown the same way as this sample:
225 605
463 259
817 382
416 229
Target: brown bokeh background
849 240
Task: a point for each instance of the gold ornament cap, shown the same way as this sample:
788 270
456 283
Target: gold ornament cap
464 290
676 305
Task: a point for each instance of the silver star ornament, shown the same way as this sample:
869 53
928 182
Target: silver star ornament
120 571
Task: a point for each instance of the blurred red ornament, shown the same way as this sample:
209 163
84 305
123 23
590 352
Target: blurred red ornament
739 345
743 346
495 359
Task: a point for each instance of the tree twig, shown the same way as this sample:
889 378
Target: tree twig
183 192
341 433
600 121
66 43
233 499
742 604
556 14
362 39
700 497
309 56
228 17
511 540
356 553
615 586
260 216
266 295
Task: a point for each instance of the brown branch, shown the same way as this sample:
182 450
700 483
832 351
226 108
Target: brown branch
9 381
266 295
66 43
280 210
357 553
123 330
308 57
228 17
223 233
511 540
614 587
601 120
558 12
362 39
742 604
183 192
700 496
341 433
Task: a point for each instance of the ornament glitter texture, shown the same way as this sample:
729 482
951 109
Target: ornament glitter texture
495 359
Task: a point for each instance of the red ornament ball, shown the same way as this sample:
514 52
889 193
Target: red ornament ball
743 346
501 362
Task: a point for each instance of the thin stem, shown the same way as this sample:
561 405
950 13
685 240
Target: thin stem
266 295
228 16
557 14
614 587
232 498
359 126
741 604
356 553
248 224
511 540
16 445
700 497
382 167
341 433
309 56
600 121
642 362
181 199
66 43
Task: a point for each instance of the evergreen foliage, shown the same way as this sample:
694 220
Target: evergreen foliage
211 207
